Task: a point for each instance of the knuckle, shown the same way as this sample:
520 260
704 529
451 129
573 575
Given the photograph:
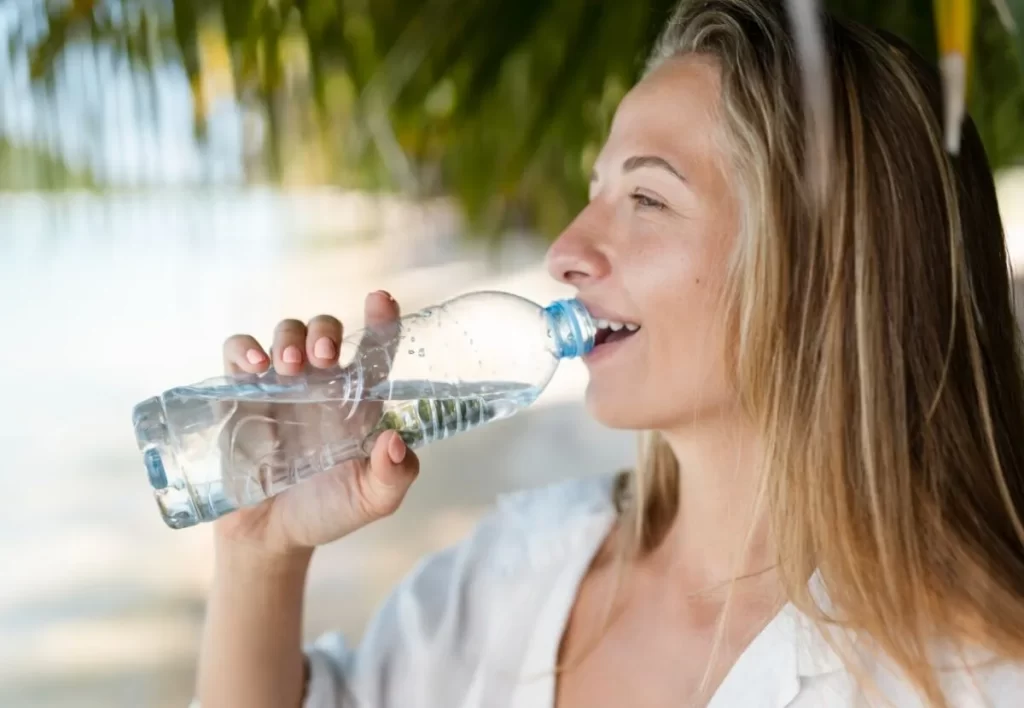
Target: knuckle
325 322
289 326
376 503
237 342
382 507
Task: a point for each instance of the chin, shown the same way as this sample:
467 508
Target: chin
625 410
618 412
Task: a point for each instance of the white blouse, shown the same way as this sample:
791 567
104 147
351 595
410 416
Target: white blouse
479 625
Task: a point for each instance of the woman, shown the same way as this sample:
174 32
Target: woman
829 505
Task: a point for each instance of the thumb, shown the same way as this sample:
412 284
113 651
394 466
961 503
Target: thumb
393 468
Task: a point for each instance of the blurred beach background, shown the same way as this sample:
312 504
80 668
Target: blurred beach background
175 171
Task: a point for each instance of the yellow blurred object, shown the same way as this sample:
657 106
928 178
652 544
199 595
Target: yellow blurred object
217 79
954 21
198 103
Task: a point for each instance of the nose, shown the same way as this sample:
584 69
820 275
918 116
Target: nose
577 257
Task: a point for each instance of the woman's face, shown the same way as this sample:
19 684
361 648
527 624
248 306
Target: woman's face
651 249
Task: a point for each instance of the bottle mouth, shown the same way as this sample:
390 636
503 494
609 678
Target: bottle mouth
572 328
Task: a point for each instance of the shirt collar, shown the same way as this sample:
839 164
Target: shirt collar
814 655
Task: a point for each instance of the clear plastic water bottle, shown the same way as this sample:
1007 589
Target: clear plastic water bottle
234 441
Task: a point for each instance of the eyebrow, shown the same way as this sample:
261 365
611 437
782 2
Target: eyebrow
637 161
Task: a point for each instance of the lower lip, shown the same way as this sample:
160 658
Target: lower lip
603 351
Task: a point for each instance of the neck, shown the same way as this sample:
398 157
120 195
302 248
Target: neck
719 533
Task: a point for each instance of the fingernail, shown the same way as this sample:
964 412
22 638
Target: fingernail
324 348
291 355
385 293
255 356
397 449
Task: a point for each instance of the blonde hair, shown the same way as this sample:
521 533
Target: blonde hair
874 344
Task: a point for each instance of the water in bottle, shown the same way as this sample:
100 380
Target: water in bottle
234 441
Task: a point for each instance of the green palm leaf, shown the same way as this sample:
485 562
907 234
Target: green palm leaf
1012 14
503 103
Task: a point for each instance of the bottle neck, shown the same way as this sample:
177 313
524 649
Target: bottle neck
572 328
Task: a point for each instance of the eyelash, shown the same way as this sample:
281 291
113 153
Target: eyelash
644 201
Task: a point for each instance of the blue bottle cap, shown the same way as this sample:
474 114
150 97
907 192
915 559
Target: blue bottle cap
572 328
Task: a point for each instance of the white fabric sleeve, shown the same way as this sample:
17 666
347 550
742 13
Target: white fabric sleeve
448 633
424 645
393 665
388 665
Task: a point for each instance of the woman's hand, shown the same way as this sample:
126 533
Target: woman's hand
333 503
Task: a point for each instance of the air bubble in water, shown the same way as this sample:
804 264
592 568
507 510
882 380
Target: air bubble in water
412 351
423 352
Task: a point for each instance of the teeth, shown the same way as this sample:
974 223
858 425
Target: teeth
615 326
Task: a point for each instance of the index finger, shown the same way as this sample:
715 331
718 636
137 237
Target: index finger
376 349
243 354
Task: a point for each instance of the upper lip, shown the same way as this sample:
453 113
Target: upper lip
601 313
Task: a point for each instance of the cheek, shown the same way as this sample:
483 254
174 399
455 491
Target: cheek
684 375
688 345
667 282
675 378
685 378
686 332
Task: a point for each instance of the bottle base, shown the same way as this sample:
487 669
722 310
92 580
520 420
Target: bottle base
182 506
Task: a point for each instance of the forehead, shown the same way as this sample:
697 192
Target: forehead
672 111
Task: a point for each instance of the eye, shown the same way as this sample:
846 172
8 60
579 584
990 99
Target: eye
645 201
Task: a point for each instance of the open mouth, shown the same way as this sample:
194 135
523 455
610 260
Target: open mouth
609 331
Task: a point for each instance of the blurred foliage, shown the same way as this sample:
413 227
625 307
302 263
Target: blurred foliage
28 168
504 104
